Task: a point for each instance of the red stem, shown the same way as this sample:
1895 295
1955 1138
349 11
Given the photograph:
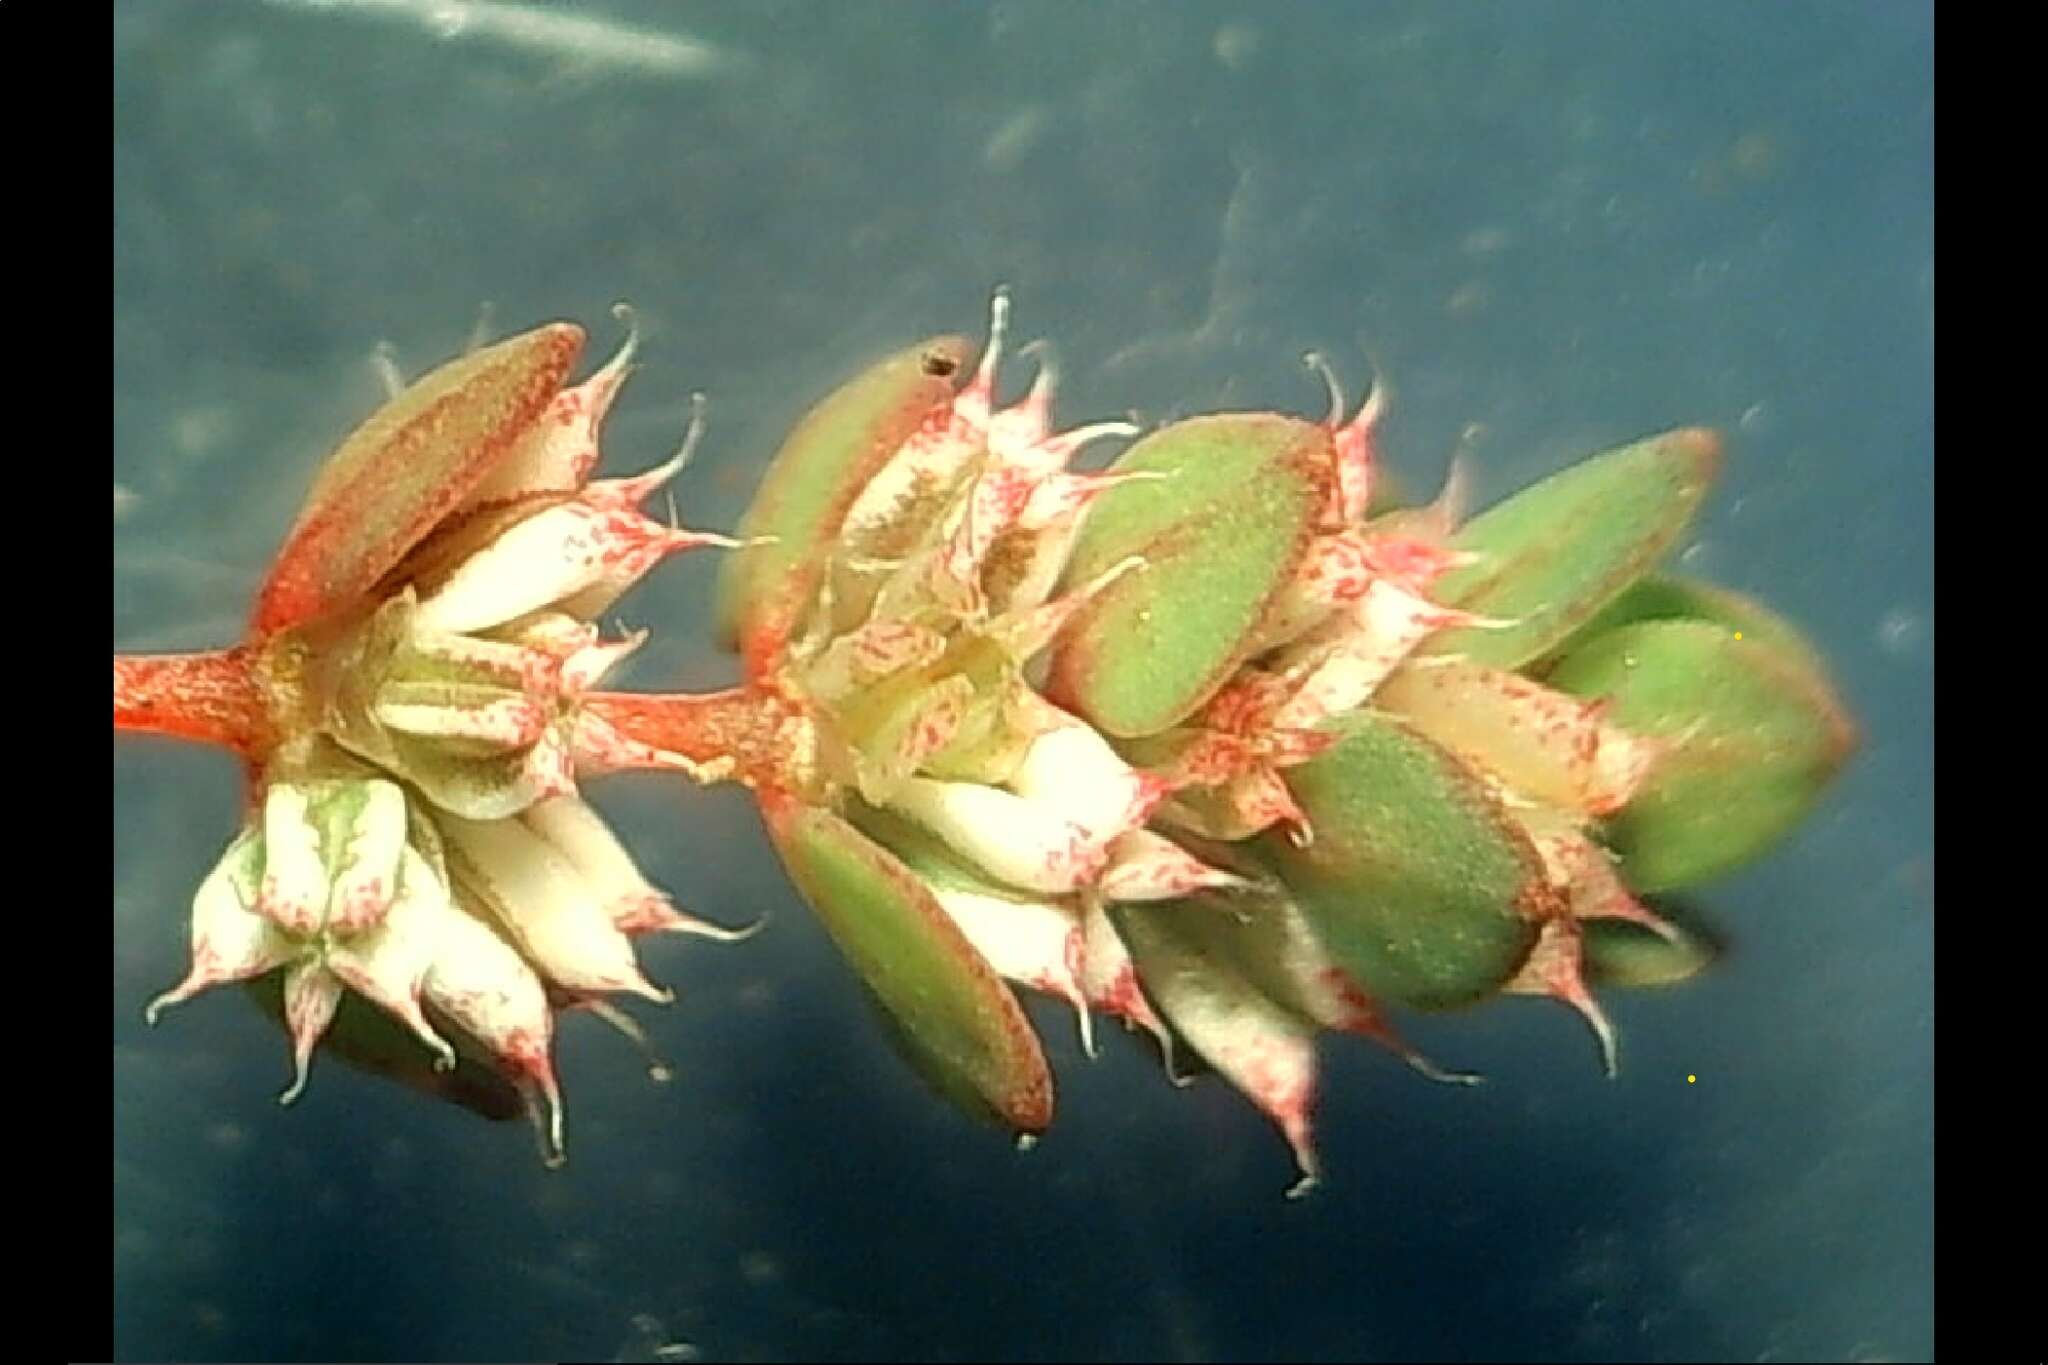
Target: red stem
749 725
212 697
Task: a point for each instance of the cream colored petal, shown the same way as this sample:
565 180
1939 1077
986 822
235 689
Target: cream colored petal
1546 745
230 941
1018 841
554 914
1342 664
536 563
1144 866
1072 768
481 983
388 964
1110 980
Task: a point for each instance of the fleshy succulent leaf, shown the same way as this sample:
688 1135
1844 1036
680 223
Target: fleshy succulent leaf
1035 941
1752 736
1671 597
406 468
1417 880
1556 553
1219 540
956 1017
813 481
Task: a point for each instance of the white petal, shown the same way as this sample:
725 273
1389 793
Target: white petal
1018 841
633 546
1554 969
541 898
580 834
587 667
1585 872
388 964
230 941
1110 980
558 452
1072 768
1546 745
635 905
1144 866
536 563
1347 660
1335 570
1034 943
485 987
1265 1050
910 489
573 554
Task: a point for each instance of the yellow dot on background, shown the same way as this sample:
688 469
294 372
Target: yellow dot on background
1690 1078
1738 635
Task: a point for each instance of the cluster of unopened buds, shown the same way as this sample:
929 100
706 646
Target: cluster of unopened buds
1218 740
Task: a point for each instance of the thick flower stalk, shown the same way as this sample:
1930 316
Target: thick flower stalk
1216 740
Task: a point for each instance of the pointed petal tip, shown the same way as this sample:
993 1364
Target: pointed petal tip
302 1070
654 913
543 1101
647 990
1588 1008
1317 362
658 1069
1429 1070
1086 1024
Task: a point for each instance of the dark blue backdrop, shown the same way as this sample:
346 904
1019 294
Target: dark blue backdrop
1564 224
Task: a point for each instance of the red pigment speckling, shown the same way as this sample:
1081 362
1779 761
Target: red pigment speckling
1354 1012
1074 952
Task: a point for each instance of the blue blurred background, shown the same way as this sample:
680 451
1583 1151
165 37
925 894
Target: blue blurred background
1551 227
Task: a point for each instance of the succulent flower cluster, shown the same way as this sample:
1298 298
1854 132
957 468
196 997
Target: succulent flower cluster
1217 741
